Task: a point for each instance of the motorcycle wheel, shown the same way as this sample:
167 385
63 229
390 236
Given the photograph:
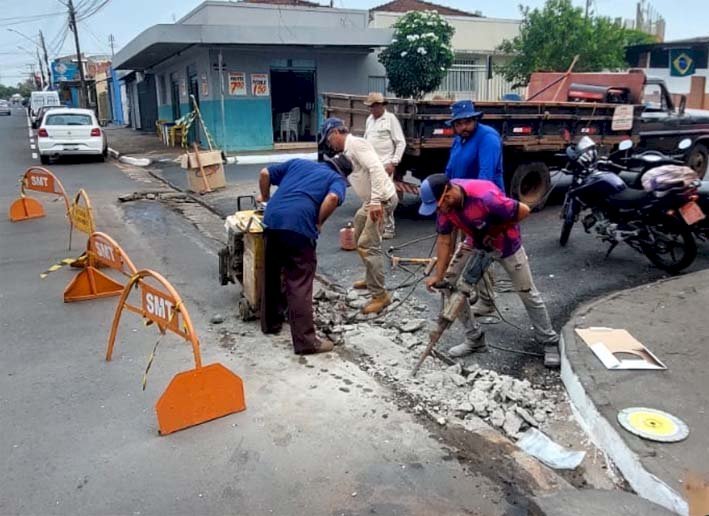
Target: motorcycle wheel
675 248
568 214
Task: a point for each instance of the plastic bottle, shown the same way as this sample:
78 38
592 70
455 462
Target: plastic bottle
347 239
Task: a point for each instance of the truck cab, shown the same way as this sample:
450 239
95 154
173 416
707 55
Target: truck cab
663 124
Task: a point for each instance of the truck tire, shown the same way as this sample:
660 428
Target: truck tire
697 160
530 184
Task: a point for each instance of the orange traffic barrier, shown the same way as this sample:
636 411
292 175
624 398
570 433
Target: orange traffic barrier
40 180
192 397
90 283
81 216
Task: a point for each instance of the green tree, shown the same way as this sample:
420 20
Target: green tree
419 55
23 88
550 37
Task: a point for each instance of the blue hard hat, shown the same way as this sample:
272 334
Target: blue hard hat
430 192
328 125
461 110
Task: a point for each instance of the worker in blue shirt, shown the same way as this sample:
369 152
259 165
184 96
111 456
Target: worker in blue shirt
477 148
308 193
476 154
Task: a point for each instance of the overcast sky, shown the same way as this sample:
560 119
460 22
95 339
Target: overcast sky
127 18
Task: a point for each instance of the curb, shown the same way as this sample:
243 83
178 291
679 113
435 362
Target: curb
129 160
145 162
602 432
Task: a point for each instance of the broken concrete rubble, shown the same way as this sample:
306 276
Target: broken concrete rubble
391 341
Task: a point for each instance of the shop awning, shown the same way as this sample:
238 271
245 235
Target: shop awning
161 42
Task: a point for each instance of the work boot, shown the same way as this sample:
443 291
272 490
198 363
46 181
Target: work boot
321 346
360 284
469 346
481 308
377 304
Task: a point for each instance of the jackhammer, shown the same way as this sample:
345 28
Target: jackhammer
457 287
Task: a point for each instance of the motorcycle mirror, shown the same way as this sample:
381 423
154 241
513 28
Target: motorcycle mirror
625 145
685 144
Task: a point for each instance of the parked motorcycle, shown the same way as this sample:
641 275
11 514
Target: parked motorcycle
633 167
648 221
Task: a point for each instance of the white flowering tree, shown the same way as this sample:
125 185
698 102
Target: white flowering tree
419 54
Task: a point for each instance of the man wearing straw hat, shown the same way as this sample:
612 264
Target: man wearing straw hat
376 190
383 131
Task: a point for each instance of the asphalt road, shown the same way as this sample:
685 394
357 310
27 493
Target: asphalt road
567 277
78 435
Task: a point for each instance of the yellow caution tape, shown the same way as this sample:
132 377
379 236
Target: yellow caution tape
57 266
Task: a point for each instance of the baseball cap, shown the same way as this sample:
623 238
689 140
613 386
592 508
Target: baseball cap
340 163
328 125
431 191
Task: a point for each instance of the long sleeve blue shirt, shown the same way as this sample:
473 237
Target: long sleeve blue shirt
478 157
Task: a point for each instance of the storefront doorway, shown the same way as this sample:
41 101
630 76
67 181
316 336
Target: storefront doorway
293 104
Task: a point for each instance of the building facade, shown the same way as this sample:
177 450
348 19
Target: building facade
682 64
255 71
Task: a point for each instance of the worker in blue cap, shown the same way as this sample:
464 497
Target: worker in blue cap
476 154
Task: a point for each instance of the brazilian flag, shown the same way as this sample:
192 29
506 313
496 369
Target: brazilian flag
681 62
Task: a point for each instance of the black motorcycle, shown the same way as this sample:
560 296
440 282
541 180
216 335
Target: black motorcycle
647 221
632 167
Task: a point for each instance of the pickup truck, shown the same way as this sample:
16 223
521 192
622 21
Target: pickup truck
608 107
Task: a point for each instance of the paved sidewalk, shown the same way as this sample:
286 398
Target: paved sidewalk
668 317
143 144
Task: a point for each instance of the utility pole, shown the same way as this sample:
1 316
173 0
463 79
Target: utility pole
83 94
588 7
41 70
46 59
112 42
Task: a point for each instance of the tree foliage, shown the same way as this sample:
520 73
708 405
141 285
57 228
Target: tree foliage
550 37
23 88
419 54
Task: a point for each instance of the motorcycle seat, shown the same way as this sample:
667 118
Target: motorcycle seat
630 198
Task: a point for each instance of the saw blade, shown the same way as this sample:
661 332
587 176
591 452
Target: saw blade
653 424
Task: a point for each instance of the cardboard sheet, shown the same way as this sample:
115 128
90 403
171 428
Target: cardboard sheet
608 344
696 487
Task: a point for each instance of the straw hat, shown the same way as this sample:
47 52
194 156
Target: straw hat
375 98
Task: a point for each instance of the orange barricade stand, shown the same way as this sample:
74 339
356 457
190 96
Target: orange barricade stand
192 397
90 283
40 180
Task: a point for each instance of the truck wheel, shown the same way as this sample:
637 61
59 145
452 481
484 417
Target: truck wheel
530 184
697 160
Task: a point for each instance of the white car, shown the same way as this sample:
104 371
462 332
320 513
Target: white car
5 108
70 132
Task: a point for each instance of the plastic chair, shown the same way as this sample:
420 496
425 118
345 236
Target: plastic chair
175 134
289 124
158 128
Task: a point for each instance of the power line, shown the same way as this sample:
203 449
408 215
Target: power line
90 12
